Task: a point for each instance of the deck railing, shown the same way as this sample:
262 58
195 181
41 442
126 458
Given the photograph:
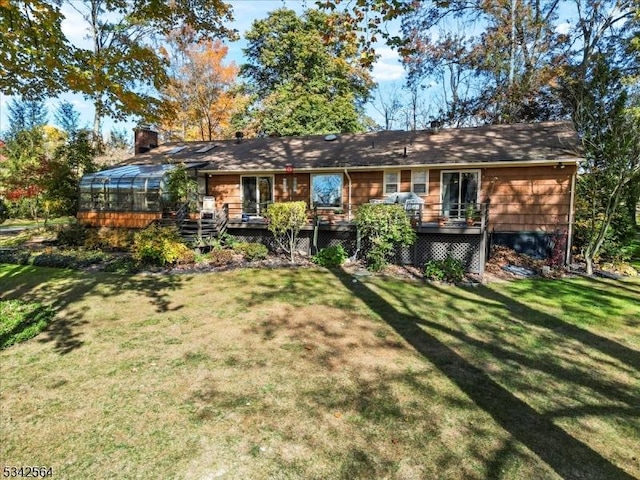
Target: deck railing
421 215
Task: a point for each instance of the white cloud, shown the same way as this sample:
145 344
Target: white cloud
74 27
563 28
387 67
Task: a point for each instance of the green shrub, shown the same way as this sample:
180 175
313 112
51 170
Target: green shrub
384 228
182 187
14 256
20 321
251 251
448 270
285 222
109 238
227 240
220 258
156 245
72 235
73 259
330 257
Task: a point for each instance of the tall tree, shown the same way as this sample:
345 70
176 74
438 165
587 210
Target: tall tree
22 172
34 54
67 117
599 90
305 74
26 115
121 68
71 160
388 103
201 97
503 55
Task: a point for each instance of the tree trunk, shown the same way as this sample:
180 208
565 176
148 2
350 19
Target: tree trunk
96 140
589 265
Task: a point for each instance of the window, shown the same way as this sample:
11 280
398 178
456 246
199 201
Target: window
326 190
458 190
420 181
391 182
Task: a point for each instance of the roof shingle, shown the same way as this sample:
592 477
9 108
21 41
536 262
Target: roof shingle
536 142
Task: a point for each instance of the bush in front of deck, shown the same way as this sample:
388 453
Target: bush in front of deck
160 246
384 227
251 251
330 257
448 270
286 219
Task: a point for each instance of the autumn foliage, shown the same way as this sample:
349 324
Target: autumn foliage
200 98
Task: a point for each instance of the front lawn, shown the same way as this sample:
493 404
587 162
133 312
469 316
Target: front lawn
310 373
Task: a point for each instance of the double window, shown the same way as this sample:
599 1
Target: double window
459 189
419 182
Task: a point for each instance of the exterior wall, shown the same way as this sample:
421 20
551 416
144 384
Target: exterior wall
527 198
118 219
300 194
364 186
226 189
521 199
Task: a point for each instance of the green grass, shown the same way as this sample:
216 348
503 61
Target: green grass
29 223
20 321
306 373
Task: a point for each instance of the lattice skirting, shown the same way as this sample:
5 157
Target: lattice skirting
469 249
466 248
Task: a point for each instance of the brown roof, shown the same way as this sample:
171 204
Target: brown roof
539 142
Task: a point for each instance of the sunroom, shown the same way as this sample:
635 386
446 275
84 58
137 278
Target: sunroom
130 195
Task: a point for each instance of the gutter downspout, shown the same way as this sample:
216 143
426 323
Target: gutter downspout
349 208
571 215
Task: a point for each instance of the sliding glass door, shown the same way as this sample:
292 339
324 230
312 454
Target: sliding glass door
257 193
458 190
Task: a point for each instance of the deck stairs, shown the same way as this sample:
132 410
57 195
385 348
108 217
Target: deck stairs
194 230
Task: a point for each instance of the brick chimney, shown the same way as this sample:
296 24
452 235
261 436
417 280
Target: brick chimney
145 139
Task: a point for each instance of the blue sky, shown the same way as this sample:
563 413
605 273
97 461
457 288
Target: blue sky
387 70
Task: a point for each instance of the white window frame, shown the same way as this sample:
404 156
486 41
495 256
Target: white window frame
385 183
426 180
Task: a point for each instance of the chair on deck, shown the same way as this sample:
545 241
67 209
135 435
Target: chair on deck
208 209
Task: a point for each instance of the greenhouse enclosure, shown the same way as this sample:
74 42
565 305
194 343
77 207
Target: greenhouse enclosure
125 196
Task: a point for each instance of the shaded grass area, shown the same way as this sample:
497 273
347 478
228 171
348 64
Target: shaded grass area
310 373
18 239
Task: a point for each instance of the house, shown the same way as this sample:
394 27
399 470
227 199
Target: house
518 180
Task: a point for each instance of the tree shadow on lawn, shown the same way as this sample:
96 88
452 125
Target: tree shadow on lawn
626 289
62 290
568 456
589 296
